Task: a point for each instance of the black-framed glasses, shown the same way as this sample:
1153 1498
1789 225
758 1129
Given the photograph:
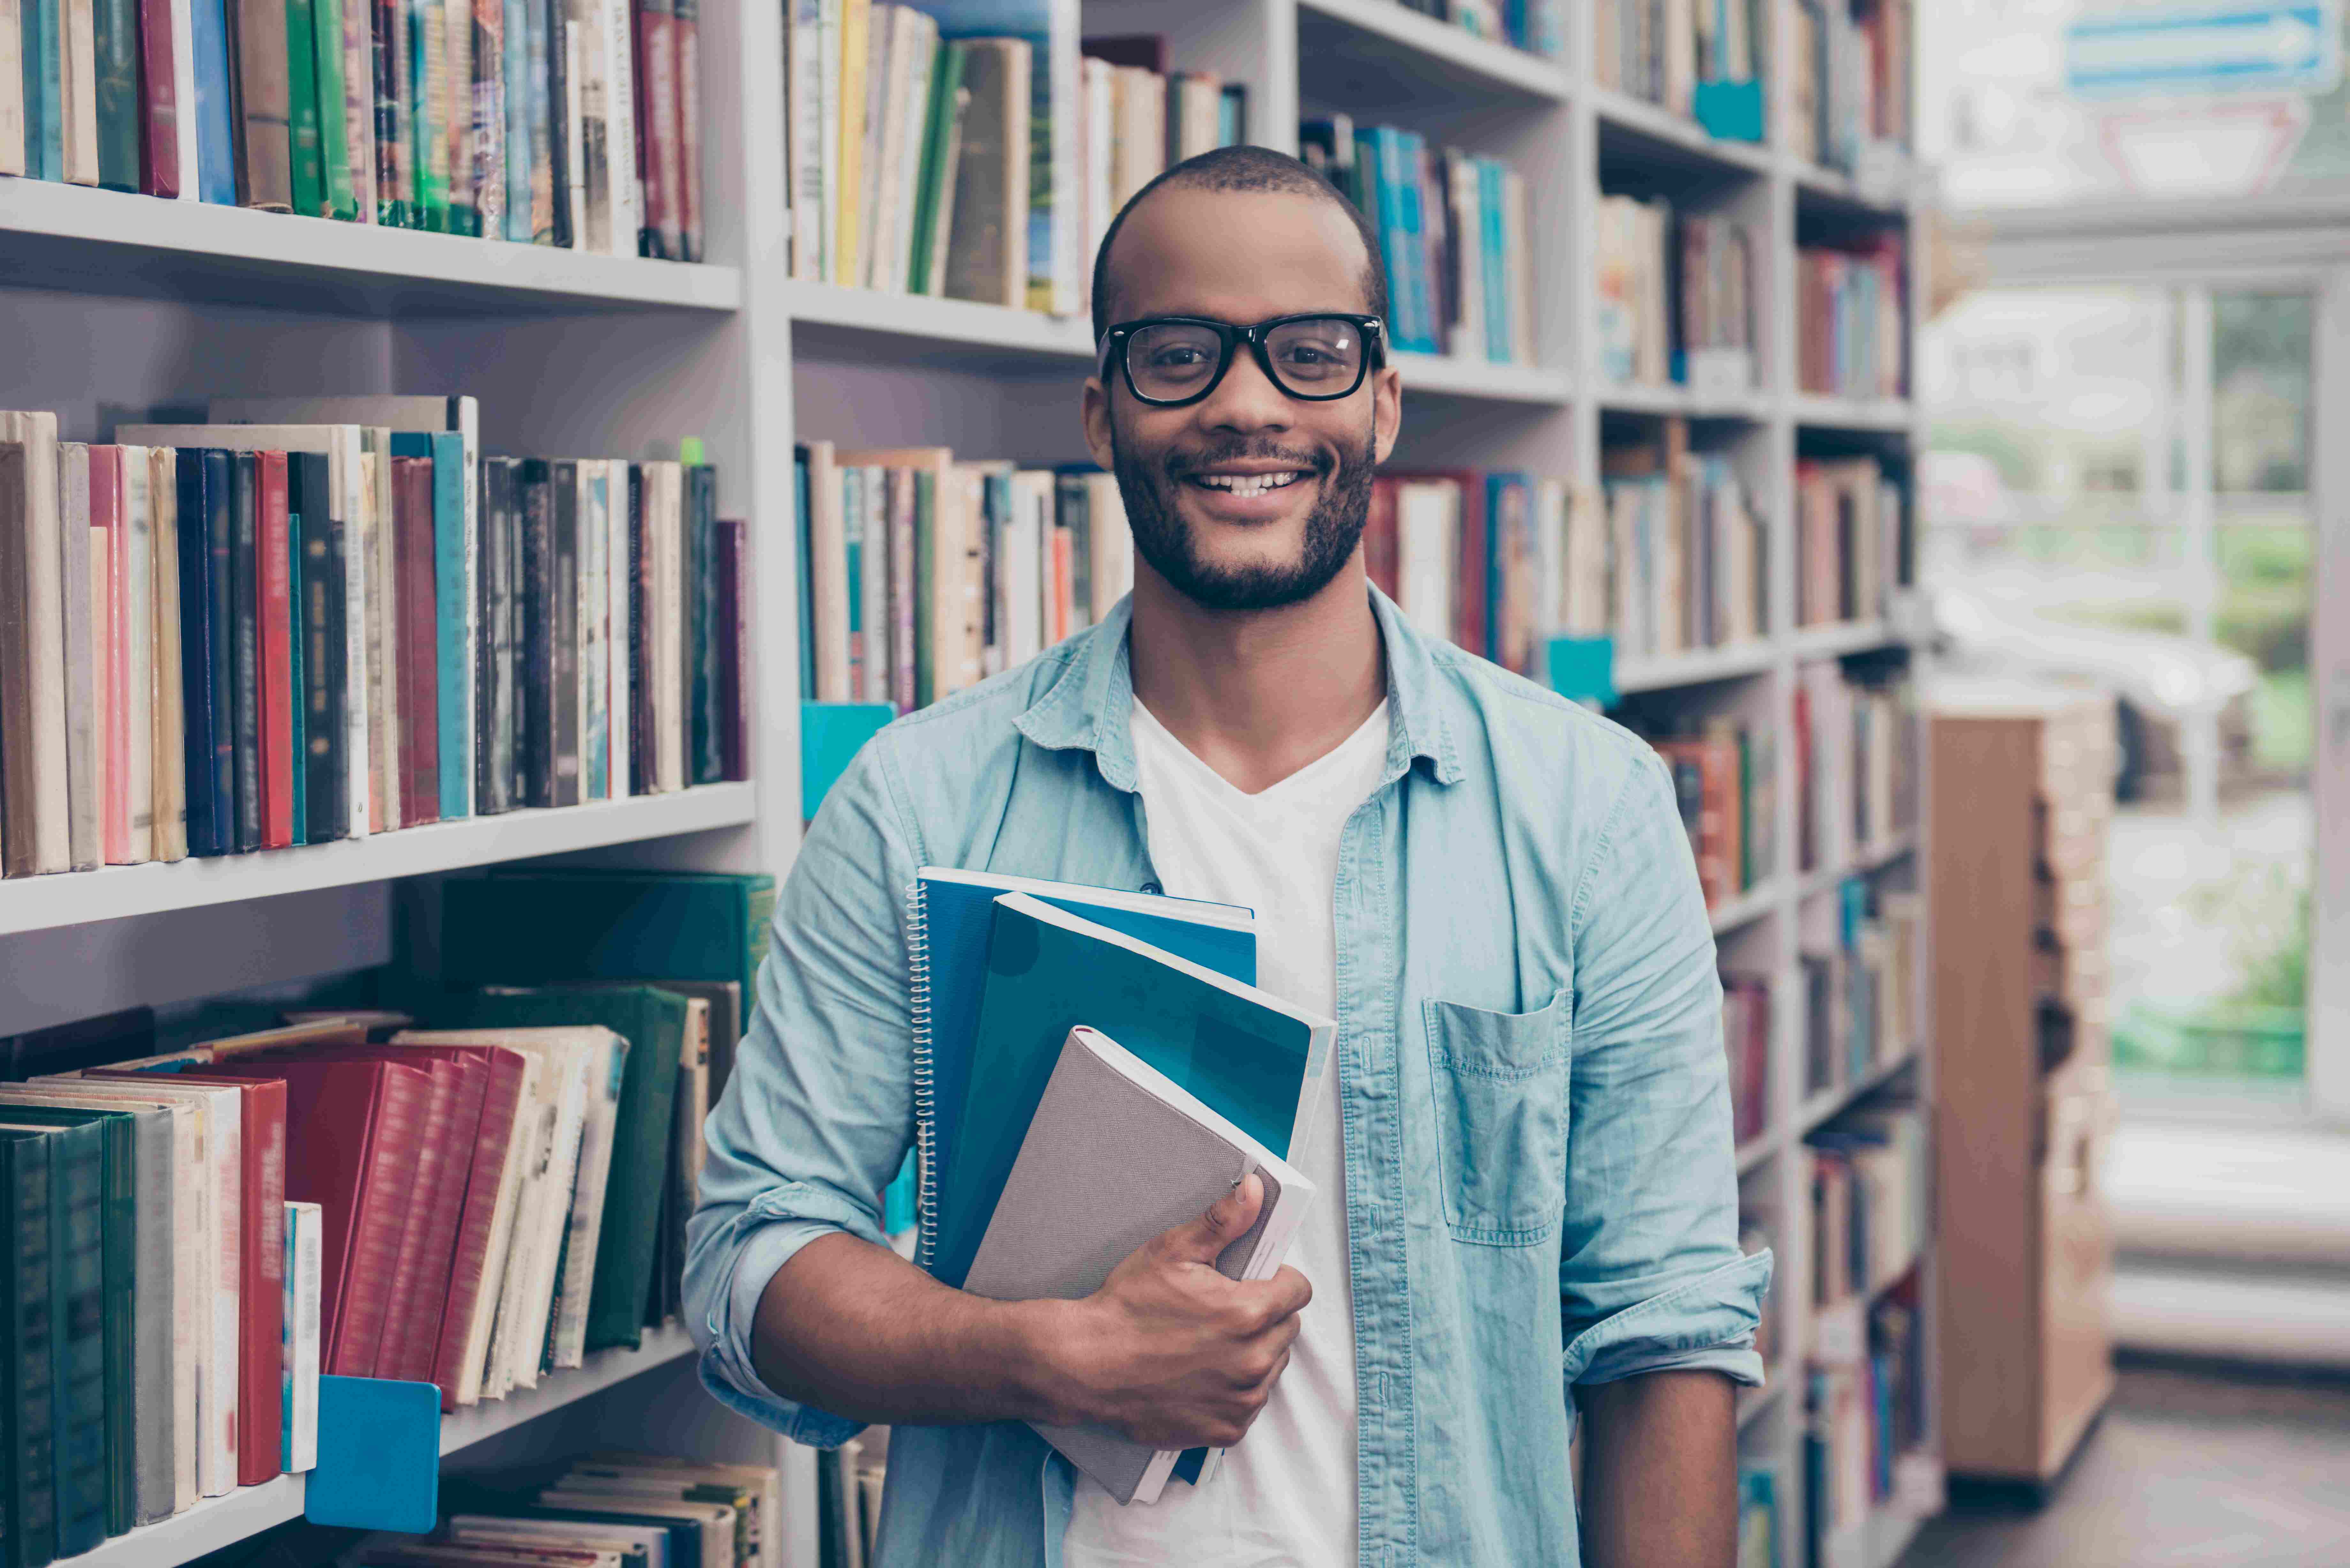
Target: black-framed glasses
1170 361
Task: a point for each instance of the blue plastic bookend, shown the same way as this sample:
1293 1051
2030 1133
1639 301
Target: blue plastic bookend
1583 669
1729 111
378 1455
830 735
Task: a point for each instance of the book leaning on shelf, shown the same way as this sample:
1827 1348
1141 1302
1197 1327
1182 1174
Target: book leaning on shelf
277 634
563 122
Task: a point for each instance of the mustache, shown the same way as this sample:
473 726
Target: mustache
1181 464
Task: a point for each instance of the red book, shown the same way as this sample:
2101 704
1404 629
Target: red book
159 138
664 233
685 29
108 562
260 1423
1381 540
419 640
352 1130
274 606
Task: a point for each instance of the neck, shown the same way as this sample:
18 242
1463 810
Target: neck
1258 694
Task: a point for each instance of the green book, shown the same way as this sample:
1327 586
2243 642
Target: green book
44 156
30 1302
532 928
77 1341
115 30
653 1023
938 129
334 141
302 118
115 1210
429 115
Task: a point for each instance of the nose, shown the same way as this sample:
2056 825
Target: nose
1246 399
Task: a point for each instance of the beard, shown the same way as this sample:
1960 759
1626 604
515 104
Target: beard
1165 541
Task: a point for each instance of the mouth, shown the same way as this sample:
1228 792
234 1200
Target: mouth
1248 485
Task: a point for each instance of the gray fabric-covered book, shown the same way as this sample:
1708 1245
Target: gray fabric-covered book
1117 1153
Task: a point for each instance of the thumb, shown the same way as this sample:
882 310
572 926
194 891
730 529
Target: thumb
1203 1239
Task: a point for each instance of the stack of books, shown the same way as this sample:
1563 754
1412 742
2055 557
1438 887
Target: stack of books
1688 561
1677 296
1856 784
1851 79
1746 1037
1493 562
969 151
1537 27
1850 310
1723 779
605 1508
1853 539
559 122
1661 49
925 575
238 635
1453 230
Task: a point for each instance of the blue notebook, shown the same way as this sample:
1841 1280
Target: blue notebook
952 917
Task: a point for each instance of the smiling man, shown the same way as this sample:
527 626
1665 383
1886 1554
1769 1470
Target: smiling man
1529 1200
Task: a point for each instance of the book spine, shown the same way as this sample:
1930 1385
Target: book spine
429 114
302 91
408 1320
454 623
534 669
330 109
244 618
617 690
455 19
489 110
540 225
159 99
261 1350
44 150
324 679
621 139
513 60
562 129
213 76
78 1295
707 766
299 1381
594 657
562 618
733 749
387 56
386 1187
86 848
120 1292
297 703
418 641
153 1392
656 122
265 160
641 764
135 570
274 615
356 60
34 1340
169 735
686 25
198 679
110 657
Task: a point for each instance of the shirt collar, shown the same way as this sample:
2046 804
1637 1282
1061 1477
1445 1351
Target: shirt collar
1089 705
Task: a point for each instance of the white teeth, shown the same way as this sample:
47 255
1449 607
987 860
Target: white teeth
1250 484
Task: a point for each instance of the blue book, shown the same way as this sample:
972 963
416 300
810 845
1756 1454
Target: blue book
954 919
1249 1057
518 107
450 578
1500 328
204 650
45 126
216 173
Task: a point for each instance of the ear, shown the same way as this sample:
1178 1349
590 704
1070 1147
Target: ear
1095 410
1387 409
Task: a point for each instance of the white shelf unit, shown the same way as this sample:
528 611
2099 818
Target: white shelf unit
121 306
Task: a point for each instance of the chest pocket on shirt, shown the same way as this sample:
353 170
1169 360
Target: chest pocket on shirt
1500 1081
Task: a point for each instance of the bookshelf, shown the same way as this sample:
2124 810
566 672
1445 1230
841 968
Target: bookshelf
121 304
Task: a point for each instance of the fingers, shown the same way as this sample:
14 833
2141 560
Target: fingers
1228 1219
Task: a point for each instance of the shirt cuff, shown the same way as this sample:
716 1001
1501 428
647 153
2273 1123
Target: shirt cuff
726 1368
1713 1315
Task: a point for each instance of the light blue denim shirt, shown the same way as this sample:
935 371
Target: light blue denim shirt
1541 1187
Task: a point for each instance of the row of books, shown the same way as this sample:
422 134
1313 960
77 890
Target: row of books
1852 539
1687 559
958 149
559 122
238 635
1852 78
925 575
604 1510
1861 995
848 1483
1869 1202
1677 296
1453 229
1492 562
1662 50
1856 780
1866 1415
1537 27
1725 778
1746 1037
1850 310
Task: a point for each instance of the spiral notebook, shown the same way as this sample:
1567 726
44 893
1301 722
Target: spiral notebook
949 916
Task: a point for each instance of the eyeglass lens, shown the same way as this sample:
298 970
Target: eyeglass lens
1312 357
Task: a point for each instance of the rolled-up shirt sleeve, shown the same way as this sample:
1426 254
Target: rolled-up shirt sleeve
1651 1274
818 1114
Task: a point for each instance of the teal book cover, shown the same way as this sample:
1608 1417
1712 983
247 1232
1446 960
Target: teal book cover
45 154
1248 1055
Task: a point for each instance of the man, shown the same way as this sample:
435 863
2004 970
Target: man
1528 1195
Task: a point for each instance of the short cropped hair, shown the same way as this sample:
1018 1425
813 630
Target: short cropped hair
1247 169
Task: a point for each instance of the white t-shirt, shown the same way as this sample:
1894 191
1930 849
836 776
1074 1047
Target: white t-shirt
1285 1493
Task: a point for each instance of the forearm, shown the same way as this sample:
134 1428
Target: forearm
853 1328
1659 1485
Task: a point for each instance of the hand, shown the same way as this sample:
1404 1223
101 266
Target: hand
1171 1353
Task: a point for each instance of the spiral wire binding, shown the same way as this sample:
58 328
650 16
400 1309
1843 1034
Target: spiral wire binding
918 977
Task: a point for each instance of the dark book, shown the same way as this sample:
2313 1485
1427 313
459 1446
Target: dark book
388 38
565 223
274 625
493 670
244 611
85 1043
325 675
77 1338
733 739
653 1023
264 162
562 633
298 654
803 533
418 640
1143 51
663 234
206 656
535 663
306 152
644 765
158 101
29 1459
704 764
115 28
